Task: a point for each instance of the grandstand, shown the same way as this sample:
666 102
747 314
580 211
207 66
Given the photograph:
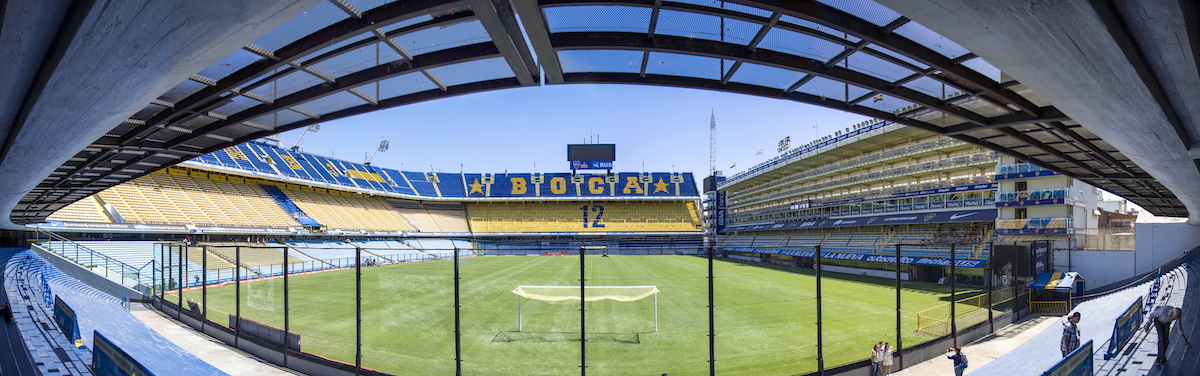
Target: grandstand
584 216
349 211
177 197
261 188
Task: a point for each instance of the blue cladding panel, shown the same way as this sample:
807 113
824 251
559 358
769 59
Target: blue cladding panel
451 185
253 156
423 186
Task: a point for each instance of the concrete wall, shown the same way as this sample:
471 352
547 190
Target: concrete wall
1157 243
1100 268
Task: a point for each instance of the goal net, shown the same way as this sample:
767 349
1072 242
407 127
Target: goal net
610 309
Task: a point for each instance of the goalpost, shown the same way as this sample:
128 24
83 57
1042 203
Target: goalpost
555 294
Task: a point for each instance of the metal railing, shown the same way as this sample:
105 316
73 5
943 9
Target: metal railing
91 259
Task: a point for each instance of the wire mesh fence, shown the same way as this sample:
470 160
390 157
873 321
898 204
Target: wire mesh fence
552 309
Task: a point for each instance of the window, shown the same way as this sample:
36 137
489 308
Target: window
1022 186
1021 213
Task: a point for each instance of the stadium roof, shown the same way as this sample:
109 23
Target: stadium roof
342 58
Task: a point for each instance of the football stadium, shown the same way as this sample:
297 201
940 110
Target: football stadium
982 173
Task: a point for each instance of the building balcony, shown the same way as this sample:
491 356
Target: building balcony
943 164
1034 226
1021 171
1048 196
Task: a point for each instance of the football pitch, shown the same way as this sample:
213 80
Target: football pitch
765 318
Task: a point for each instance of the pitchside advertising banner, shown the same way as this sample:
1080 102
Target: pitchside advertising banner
932 261
982 215
64 316
110 360
1124 328
1077 363
722 198
591 165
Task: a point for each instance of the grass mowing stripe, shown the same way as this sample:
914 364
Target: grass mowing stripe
765 317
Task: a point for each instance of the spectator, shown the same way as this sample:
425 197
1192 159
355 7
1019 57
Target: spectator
875 366
1070 337
885 358
6 313
960 360
1162 319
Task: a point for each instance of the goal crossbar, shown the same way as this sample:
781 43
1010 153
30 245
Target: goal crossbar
589 293
554 294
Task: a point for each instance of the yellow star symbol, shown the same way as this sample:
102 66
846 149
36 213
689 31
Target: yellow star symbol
660 186
475 187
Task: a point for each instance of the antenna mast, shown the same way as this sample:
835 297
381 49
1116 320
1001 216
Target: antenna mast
712 144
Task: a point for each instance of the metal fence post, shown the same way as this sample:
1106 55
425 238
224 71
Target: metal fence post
357 310
286 313
712 329
991 289
457 322
820 327
899 353
237 286
203 286
582 315
182 280
953 297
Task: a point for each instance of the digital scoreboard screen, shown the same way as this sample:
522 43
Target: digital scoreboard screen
591 152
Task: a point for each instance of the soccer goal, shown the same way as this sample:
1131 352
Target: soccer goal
560 294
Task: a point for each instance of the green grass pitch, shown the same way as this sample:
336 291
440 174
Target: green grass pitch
765 318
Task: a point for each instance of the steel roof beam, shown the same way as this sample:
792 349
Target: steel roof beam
366 76
736 87
370 75
437 22
338 32
966 81
500 22
1048 114
539 36
721 50
834 18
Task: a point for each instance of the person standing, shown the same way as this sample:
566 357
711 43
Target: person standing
960 360
1070 337
875 366
885 358
1162 317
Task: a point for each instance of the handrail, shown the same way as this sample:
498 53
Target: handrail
109 262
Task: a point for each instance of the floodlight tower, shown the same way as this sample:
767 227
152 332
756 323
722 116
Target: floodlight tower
383 146
300 140
712 143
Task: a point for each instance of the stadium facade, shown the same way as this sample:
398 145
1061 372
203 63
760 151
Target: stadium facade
862 192
258 188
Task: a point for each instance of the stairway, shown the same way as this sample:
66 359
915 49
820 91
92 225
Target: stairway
290 207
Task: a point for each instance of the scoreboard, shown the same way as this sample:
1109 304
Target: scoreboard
591 156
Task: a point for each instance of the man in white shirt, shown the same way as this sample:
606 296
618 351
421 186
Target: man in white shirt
1162 317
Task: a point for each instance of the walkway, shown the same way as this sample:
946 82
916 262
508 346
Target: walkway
14 358
1031 346
94 312
217 353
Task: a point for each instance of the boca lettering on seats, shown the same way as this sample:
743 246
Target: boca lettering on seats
596 185
518 186
632 186
558 185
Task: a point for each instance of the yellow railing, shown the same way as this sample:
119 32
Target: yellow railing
1048 308
969 311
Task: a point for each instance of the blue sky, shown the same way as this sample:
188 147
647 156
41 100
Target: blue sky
514 129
